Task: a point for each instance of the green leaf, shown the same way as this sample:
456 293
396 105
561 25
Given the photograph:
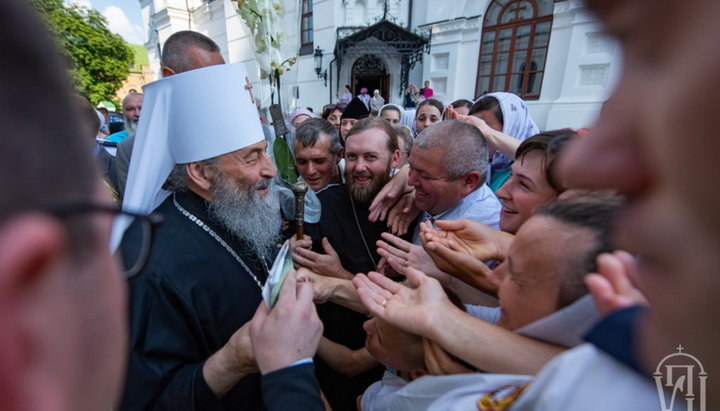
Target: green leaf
284 161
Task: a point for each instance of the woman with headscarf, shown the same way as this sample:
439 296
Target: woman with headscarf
377 101
364 97
391 113
508 114
299 115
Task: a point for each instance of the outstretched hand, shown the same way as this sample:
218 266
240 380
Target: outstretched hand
460 265
402 214
614 286
412 310
327 264
403 254
485 129
322 285
389 195
305 242
496 140
467 236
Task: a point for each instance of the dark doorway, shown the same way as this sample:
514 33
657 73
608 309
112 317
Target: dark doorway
369 71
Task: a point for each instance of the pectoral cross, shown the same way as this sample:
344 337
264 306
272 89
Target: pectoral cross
248 87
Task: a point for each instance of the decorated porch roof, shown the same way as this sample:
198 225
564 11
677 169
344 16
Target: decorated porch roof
381 38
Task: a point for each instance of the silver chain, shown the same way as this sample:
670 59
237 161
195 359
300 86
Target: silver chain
217 238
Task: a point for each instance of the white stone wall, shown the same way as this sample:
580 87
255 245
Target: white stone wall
582 65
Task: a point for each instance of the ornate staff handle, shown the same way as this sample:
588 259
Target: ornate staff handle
299 189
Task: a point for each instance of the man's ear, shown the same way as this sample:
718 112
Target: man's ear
167 71
417 373
470 182
198 176
395 159
28 245
30 249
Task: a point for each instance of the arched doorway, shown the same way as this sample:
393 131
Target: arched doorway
369 71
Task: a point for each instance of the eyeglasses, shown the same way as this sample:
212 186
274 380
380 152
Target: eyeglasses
138 236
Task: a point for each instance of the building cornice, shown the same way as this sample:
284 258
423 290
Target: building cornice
460 23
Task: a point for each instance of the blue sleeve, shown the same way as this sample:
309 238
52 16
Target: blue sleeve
616 335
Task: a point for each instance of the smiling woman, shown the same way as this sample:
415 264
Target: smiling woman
531 183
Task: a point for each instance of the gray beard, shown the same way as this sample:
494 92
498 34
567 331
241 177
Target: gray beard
250 217
130 127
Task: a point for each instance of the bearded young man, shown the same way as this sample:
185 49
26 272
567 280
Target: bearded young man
348 239
207 261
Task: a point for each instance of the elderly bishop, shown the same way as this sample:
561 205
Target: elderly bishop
201 164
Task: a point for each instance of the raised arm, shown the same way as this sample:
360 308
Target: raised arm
337 290
428 312
390 194
501 142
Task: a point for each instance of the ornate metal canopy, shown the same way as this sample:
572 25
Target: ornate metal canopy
381 38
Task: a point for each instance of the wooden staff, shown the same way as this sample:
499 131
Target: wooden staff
299 189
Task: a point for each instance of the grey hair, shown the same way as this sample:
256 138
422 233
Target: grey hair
177 181
308 134
175 51
464 145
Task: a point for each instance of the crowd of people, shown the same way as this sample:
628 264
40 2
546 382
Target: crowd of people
462 259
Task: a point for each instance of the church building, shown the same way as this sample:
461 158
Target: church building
551 53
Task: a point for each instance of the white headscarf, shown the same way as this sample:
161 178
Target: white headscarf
191 116
517 123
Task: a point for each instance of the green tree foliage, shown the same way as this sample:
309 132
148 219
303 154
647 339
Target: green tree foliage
98 59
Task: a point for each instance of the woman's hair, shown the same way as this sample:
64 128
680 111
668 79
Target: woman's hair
551 143
488 103
391 107
462 103
329 108
432 102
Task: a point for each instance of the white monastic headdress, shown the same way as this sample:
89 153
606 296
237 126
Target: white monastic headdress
191 116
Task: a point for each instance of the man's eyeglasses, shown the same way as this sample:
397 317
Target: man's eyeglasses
139 234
